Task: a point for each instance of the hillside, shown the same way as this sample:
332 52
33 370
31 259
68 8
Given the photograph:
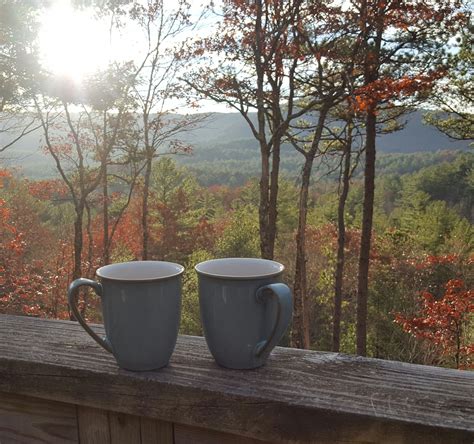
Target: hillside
225 141
415 137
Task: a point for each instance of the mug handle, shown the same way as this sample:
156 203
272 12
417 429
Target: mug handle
282 294
71 295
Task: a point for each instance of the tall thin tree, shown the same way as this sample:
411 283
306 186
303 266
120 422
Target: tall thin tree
252 65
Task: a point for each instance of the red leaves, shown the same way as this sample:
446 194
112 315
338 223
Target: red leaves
445 321
4 174
386 89
431 261
4 216
29 282
47 189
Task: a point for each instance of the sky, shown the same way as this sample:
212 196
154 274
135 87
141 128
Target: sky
74 43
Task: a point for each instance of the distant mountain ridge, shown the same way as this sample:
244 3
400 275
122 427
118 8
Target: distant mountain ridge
227 137
415 137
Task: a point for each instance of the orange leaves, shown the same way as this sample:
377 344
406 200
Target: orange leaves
409 14
47 189
11 237
361 103
387 89
4 214
27 257
5 173
431 261
445 321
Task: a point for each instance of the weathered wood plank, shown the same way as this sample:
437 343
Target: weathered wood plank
26 420
196 435
93 425
154 431
299 395
124 429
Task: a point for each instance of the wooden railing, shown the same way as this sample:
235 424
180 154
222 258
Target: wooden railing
57 385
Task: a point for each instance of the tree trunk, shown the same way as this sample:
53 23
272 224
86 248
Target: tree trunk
341 240
90 243
266 249
146 191
78 244
78 241
458 344
371 74
273 199
300 337
366 235
300 331
90 246
263 208
105 211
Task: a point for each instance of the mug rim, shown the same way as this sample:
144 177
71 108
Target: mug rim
154 276
248 276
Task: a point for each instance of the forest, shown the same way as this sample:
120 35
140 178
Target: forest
378 248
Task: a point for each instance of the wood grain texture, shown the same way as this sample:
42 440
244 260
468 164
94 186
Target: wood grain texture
196 435
93 425
299 395
124 429
154 431
25 420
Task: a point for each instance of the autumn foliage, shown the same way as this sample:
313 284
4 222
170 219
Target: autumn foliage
324 78
445 322
30 283
388 90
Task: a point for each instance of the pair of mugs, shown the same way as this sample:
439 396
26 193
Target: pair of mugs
245 310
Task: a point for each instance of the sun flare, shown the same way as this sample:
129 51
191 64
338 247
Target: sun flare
72 43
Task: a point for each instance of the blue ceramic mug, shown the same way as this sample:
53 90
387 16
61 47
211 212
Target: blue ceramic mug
141 305
245 309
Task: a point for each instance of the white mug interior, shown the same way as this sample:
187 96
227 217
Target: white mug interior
139 271
240 268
